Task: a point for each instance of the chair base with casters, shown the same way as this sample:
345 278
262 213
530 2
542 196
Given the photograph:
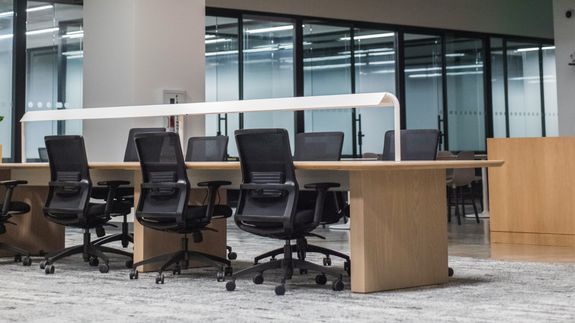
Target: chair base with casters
91 253
301 248
125 236
20 255
9 209
180 260
288 265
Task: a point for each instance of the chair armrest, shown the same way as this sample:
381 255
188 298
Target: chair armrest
214 183
321 186
13 183
113 183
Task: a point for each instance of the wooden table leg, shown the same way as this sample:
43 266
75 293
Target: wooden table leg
398 230
149 243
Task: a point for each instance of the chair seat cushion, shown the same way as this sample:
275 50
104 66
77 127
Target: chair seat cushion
101 192
17 208
302 219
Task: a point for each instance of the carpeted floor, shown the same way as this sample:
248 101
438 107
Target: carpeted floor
480 291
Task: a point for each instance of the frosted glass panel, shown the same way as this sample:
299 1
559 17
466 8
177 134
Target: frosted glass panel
550 92
465 96
524 90
374 72
269 69
6 23
423 84
54 68
498 88
327 71
222 75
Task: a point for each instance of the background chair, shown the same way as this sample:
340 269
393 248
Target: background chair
318 146
211 149
68 201
460 186
123 195
268 204
163 203
9 209
416 144
43 154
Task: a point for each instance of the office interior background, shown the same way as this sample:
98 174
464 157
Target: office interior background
470 85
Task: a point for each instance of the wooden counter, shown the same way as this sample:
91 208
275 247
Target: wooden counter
532 197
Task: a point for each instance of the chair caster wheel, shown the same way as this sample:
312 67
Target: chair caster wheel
327 261
228 271
303 271
27 261
125 244
231 286
129 264
49 269
100 232
232 256
338 285
104 268
18 258
177 271
133 274
160 279
221 276
93 261
259 279
450 272
321 279
347 267
42 264
280 290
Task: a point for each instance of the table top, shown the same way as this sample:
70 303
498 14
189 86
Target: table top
308 165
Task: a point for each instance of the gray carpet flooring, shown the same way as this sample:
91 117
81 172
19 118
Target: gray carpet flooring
480 291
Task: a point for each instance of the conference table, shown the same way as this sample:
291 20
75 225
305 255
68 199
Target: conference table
398 236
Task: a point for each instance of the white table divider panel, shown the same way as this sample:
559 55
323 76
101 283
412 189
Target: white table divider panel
345 101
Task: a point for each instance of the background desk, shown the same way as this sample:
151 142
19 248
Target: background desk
398 236
533 194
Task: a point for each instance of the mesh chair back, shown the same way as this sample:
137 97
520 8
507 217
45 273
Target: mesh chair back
265 158
162 162
131 154
464 176
207 149
416 144
68 164
318 146
43 154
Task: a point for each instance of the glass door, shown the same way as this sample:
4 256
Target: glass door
424 84
465 93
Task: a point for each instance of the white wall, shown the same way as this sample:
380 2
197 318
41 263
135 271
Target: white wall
565 46
133 50
516 17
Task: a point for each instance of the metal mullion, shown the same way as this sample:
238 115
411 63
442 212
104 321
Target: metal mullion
353 110
444 92
542 89
241 66
400 76
487 89
299 116
18 77
506 88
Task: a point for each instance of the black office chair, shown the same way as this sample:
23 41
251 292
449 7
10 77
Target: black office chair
268 204
318 146
163 203
123 195
68 202
43 154
211 149
8 210
416 144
